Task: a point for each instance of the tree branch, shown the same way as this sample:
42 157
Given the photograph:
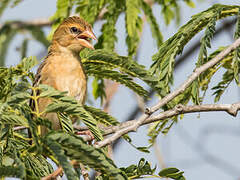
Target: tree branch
231 109
42 22
21 24
149 111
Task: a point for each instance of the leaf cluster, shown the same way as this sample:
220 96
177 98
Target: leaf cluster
164 59
26 160
109 65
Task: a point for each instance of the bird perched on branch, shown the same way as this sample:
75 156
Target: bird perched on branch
62 68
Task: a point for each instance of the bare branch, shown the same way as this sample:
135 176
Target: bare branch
232 109
42 22
59 171
170 96
36 22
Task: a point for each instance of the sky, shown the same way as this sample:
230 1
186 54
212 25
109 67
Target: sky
203 145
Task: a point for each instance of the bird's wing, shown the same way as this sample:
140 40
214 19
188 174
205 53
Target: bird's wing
37 82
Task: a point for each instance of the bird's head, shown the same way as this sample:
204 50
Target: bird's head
74 34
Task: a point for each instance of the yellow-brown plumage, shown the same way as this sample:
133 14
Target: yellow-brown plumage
62 68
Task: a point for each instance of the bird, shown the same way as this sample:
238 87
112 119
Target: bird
62 68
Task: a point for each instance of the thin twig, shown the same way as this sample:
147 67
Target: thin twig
42 22
58 172
36 22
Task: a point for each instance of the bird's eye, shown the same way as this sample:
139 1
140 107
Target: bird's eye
74 30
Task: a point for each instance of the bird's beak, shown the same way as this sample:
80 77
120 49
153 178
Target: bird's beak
85 38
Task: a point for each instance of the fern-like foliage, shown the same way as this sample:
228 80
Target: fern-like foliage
77 149
6 37
108 37
109 65
163 64
133 25
156 33
3 5
89 10
101 116
28 159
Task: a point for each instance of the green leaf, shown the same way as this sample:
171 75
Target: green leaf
12 171
99 59
59 153
63 11
141 170
133 25
3 5
108 37
98 89
208 35
195 92
66 122
143 149
13 118
101 116
118 77
220 88
89 10
77 149
19 98
132 11
156 33
168 14
190 3
37 165
24 48
16 2
27 63
172 173
69 106
6 36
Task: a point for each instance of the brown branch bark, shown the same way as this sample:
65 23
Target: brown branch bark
42 22
231 109
36 22
58 172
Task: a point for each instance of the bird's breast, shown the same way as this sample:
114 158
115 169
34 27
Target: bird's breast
69 75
